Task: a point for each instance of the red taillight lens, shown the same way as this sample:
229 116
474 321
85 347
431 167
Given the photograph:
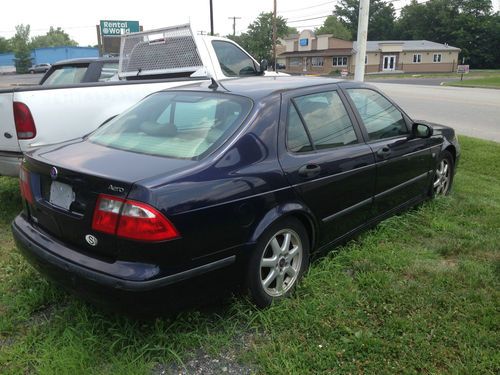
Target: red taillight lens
25 126
24 185
106 213
131 219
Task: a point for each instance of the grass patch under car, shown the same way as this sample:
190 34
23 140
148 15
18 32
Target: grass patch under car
418 293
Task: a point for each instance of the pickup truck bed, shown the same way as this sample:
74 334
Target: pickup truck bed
31 117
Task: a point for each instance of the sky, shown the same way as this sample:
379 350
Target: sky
78 19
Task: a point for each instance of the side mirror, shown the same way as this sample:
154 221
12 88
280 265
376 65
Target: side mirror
419 130
263 66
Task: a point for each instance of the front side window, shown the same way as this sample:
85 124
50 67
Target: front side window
417 58
66 75
380 117
233 61
184 125
437 58
326 120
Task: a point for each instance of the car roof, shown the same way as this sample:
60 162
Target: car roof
259 87
83 60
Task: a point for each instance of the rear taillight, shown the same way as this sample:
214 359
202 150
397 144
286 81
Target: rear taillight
131 219
24 184
25 126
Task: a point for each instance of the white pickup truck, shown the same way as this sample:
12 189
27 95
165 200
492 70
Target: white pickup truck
31 117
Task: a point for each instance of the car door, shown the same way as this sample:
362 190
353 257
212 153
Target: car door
404 165
325 159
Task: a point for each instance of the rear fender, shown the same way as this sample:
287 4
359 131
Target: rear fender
297 209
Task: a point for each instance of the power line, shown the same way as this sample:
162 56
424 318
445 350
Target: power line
308 19
309 7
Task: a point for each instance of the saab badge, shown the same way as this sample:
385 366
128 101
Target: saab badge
53 173
91 240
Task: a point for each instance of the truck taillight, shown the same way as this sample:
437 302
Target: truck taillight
131 219
24 184
25 126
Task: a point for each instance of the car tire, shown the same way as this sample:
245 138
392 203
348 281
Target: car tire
280 259
443 175
32 72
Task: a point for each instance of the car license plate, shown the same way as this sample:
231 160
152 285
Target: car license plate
61 195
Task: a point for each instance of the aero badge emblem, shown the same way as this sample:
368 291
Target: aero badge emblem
91 240
53 173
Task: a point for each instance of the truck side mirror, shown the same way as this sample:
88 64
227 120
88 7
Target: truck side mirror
263 66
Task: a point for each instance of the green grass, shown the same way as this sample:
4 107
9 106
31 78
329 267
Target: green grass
487 82
473 74
420 293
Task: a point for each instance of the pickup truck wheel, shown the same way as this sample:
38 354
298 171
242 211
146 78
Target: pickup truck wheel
278 262
32 72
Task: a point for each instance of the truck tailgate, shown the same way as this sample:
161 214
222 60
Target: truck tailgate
8 136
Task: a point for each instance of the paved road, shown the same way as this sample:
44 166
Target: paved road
412 81
9 80
471 111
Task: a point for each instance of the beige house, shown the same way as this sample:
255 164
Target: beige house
411 56
308 53
315 54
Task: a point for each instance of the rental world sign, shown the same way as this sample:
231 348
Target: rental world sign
117 28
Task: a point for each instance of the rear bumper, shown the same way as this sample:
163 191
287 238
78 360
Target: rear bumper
10 163
46 255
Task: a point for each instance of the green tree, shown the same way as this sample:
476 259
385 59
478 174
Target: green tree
53 38
467 24
4 45
258 40
20 46
380 23
333 26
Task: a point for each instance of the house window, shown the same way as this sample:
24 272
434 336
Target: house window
340 61
417 58
316 61
437 58
295 61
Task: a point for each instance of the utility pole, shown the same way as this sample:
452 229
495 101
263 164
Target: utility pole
234 23
274 35
364 11
211 19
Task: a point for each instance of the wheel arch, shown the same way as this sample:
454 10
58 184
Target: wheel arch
293 209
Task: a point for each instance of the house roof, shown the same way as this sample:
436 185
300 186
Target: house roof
318 52
408 45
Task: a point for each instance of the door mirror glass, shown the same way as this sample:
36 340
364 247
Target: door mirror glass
421 130
263 65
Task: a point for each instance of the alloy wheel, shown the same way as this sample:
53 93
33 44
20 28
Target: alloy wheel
280 262
442 179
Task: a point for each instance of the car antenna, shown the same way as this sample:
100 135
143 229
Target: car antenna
214 85
138 72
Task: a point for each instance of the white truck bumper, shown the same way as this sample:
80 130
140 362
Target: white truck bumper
10 163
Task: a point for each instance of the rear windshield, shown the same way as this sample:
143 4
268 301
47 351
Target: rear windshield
65 75
184 125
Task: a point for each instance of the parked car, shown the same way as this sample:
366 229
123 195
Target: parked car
83 70
31 117
39 68
253 174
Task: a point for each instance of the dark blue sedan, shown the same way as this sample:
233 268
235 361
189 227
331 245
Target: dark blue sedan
251 174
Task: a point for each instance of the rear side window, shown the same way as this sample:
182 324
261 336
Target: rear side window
108 71
326 120
233 61
185 125
65 75
380 117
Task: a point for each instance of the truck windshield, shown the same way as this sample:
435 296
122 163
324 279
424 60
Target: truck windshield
185 125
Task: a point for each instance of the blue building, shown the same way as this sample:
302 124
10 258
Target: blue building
51 55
